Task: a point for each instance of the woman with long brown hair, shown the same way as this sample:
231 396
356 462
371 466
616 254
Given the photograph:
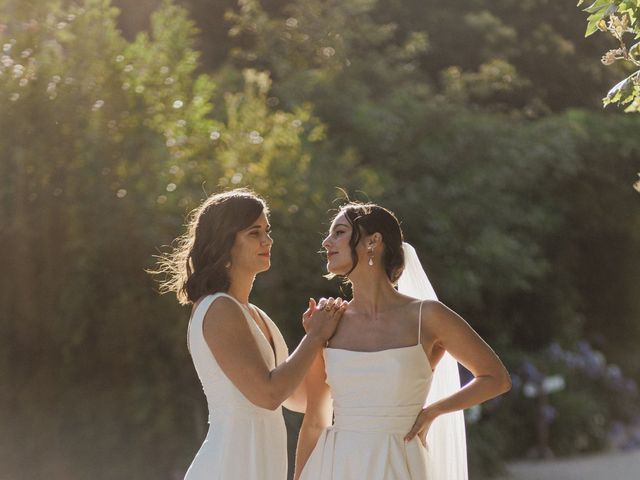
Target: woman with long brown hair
238 352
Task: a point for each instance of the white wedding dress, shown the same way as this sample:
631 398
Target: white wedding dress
244 441
376 399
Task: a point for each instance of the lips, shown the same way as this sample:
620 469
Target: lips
331 254
265 254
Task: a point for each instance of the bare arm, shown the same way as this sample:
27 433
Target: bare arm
297 402
228 335
318 415
448 331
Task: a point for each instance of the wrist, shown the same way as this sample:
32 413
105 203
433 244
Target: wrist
432 411
316 340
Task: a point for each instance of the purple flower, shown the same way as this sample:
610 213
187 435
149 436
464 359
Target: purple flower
555 351
631 386
516 382
548 413
595 364
530 372
614 372
615 377
571 359
584 347
616 428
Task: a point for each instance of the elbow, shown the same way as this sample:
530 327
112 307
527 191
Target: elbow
266 399
269 402
505 382
273 405
272 401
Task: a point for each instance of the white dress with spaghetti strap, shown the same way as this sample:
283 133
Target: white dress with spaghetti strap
376 398
244 441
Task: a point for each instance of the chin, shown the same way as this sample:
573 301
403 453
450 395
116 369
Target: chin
336 270
264 266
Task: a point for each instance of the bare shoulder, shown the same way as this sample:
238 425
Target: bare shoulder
405 300
437 315
408 305
434 308
223 312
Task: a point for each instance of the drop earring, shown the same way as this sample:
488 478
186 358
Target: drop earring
370 250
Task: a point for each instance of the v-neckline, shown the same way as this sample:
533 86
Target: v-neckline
272 343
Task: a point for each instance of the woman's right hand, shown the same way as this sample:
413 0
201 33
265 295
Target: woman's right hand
322 319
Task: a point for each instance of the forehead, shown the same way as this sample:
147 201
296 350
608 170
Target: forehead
262 218
260 221
341 219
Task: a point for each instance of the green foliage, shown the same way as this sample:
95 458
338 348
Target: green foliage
454 118
484 197
575 395
619 17
105 144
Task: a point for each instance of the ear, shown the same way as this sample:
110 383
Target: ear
374 240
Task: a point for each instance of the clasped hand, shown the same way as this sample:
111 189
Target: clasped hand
322 318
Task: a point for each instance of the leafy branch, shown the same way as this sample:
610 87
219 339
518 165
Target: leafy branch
620 19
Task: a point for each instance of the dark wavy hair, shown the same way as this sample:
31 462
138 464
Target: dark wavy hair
198 263
367 219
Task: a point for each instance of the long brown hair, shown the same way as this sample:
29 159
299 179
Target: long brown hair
198 264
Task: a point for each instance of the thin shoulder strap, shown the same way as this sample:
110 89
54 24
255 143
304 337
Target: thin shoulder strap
420 324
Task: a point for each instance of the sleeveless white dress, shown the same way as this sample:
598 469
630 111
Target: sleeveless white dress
244 441
376 399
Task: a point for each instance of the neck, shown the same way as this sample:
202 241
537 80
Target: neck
372 292
241 285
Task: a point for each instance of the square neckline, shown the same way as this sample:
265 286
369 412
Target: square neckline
426 357
419 344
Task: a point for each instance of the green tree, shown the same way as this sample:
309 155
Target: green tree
455 118
489 192
105 145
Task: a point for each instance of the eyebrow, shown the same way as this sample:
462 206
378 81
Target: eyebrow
258 227
340 225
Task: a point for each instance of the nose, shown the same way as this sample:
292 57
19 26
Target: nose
326 242
267 240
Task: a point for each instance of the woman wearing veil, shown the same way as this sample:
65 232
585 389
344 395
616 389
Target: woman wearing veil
390 368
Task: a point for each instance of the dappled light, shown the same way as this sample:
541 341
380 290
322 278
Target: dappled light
480 124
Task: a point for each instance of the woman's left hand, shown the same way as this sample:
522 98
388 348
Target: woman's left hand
421 426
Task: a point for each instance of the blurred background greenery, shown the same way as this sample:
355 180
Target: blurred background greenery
478 122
